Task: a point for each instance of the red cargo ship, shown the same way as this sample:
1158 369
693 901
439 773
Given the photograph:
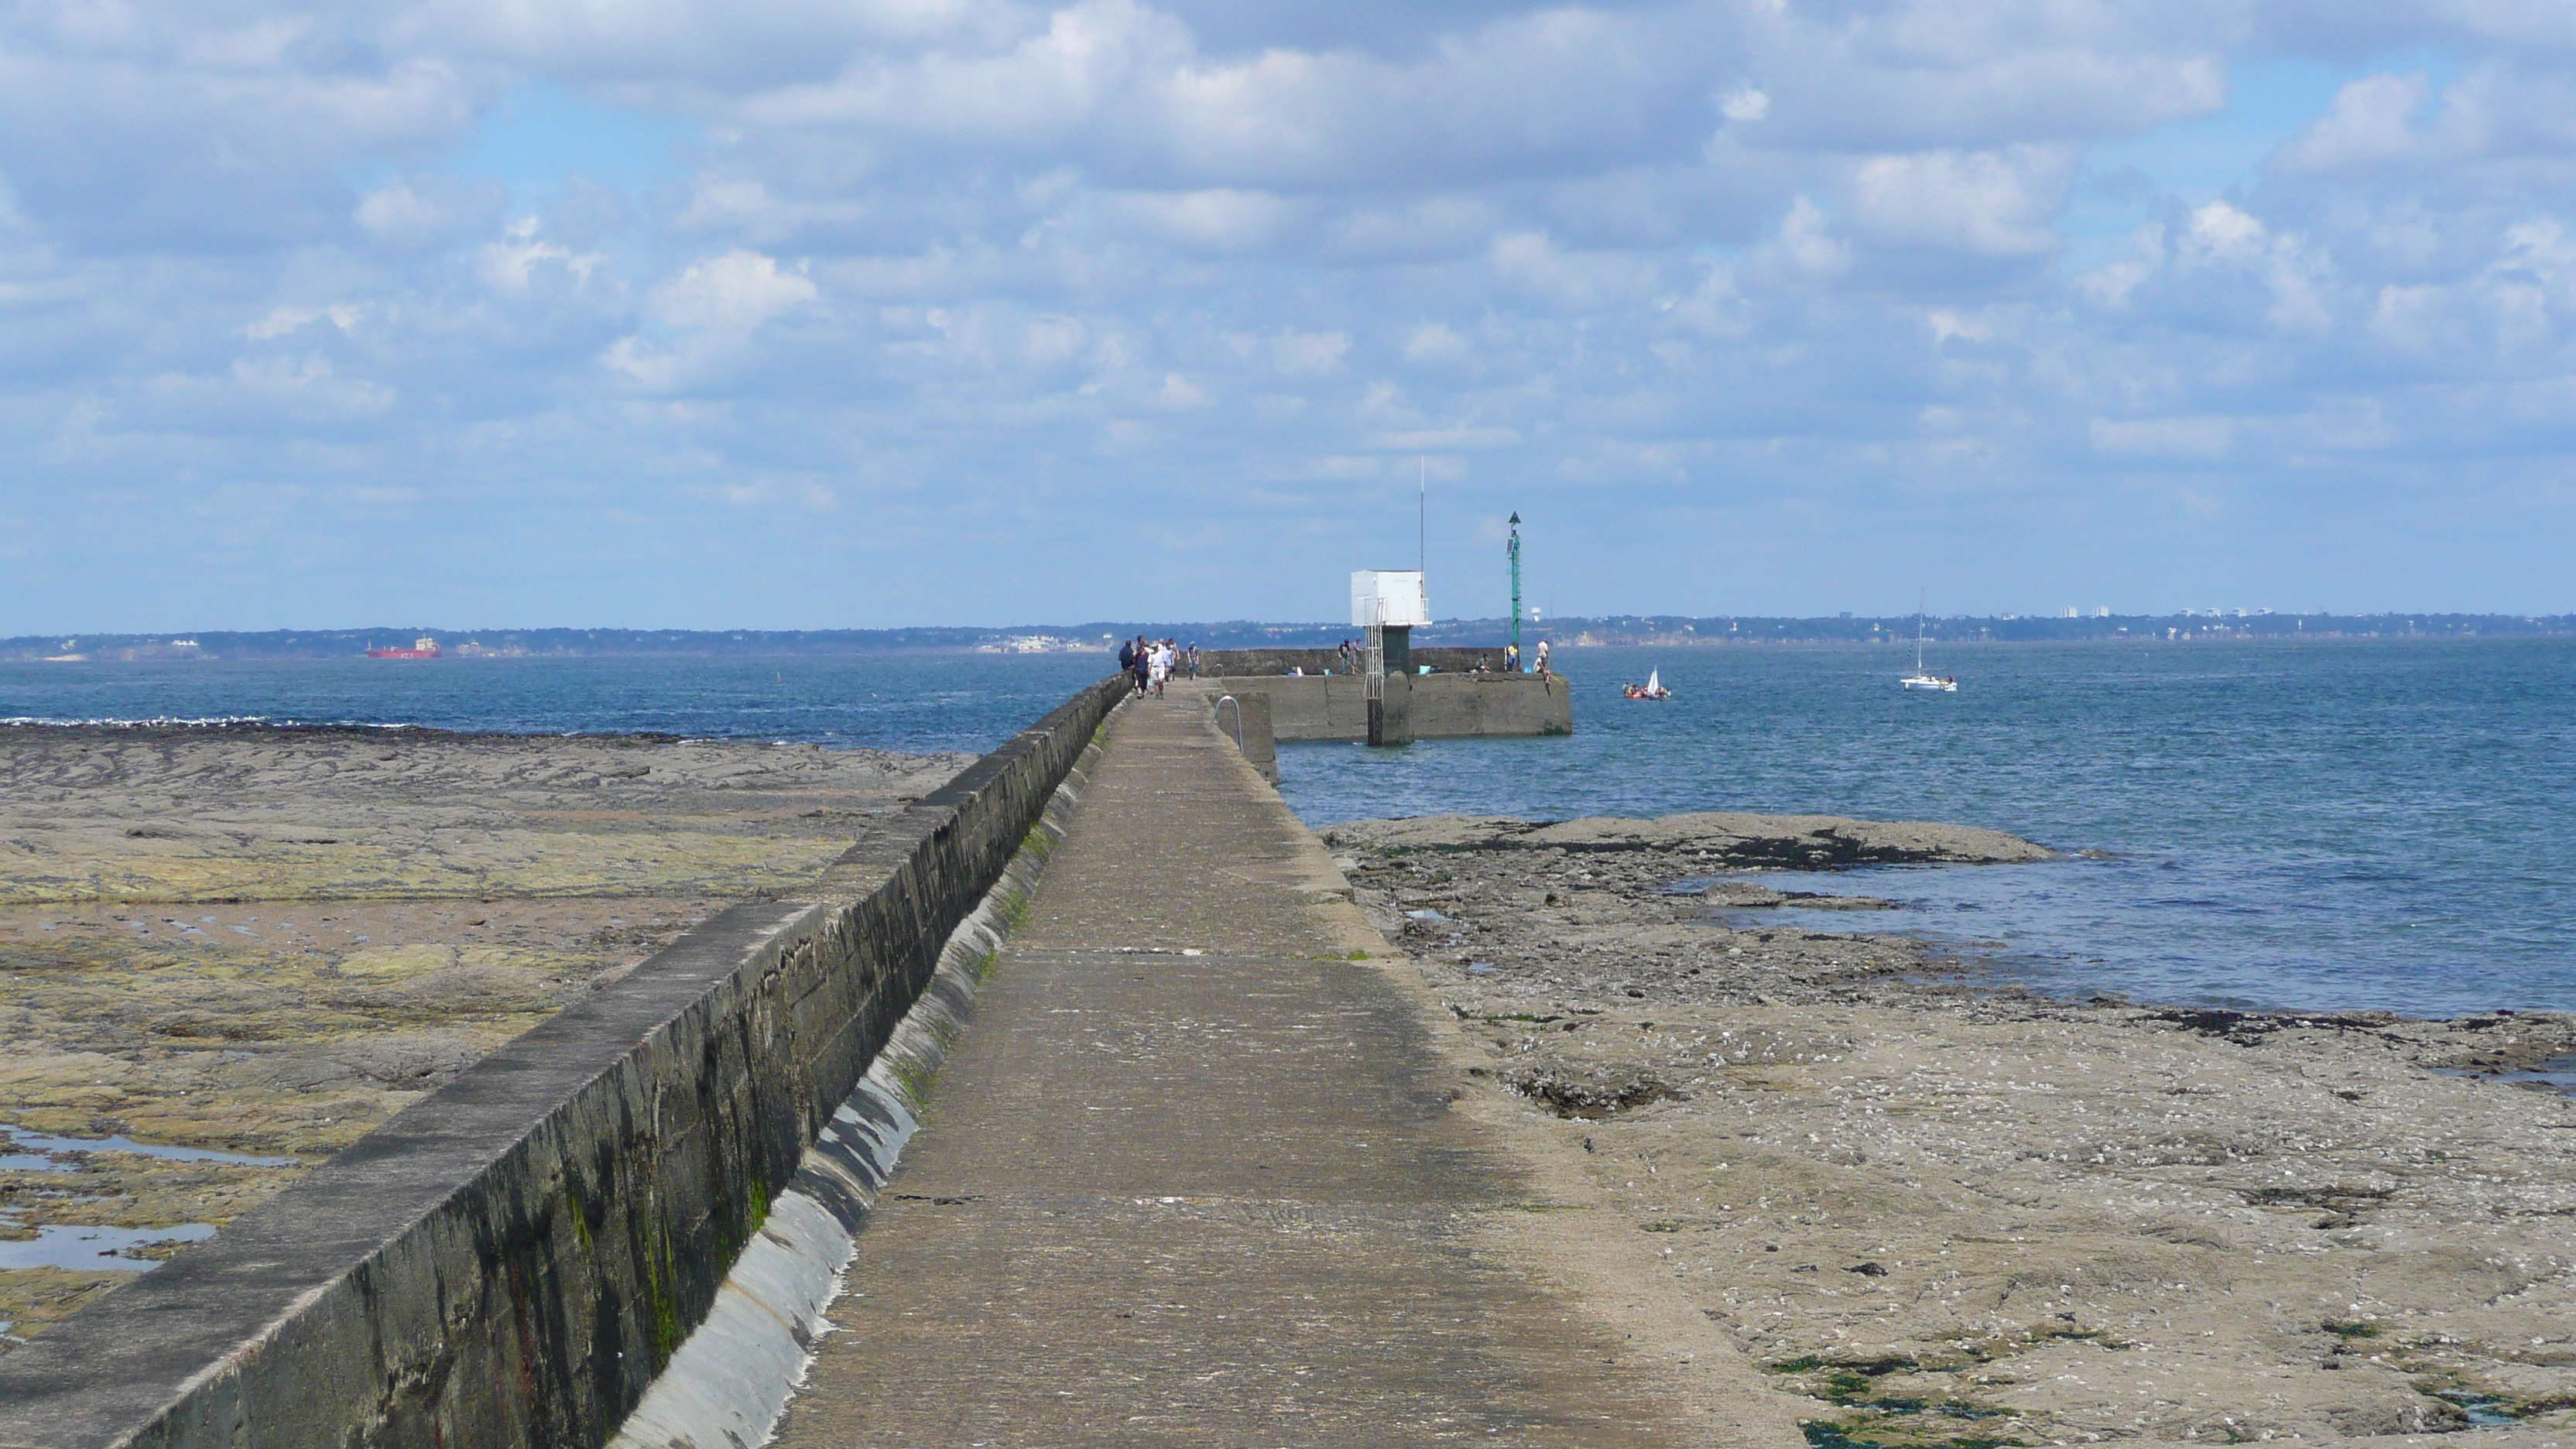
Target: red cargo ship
424 648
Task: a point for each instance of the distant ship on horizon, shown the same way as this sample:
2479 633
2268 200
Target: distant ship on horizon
422 648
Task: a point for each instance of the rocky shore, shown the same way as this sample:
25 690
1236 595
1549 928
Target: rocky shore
231 943
1936 1210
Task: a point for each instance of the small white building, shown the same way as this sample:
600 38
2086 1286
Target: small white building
1389 597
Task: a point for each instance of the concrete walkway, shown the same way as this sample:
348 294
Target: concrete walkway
1216 1198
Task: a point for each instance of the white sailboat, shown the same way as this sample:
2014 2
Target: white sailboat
1923 679
1653 688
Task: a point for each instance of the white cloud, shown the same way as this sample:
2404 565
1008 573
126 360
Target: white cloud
1994 204
517 261
1533 264
1309 354
1433 342
707 316
1219 220
2222 233
282 320
2372 122
2198 439
307 389
1440 226
1807 242
732 293
1455 435
1715 308
1746 105
1051 340
2224 238
399 212
746 206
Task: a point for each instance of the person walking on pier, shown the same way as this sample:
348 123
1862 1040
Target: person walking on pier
1140 661
1159 665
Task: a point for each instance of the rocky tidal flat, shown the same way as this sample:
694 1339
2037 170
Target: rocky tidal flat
227 952
1933 1209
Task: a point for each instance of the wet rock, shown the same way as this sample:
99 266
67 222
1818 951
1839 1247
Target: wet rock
1749 895
1725 839
1590 1095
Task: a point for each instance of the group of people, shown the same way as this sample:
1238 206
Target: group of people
1150 662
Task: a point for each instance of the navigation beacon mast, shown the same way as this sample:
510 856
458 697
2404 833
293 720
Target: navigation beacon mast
1514 549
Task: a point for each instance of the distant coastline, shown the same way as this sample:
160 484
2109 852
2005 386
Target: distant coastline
1660 630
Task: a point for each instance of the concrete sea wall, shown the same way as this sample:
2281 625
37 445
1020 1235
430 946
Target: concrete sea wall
1228 663
1247 723
511 1261
1433 706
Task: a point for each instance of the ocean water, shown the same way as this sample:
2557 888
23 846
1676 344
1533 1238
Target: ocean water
917 702
2372 824
2315 826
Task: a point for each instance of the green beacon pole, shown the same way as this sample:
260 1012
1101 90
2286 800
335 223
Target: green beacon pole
1514 549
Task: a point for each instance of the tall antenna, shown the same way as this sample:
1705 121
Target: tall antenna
1514 549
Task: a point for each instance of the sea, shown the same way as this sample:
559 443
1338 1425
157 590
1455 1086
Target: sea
2337 824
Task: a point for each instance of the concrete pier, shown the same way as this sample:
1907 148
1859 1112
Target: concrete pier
1194 1175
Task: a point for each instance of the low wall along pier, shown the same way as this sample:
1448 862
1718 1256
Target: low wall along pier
512 1260
1454 703
1230 663
1418 706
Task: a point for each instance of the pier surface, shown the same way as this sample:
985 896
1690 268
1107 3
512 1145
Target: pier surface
1194 1177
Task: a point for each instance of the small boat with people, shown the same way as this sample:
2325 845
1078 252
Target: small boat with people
1922 679
1653 688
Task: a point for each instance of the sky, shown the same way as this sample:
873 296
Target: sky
854 313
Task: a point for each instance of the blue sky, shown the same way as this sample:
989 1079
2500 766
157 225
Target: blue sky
874 312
